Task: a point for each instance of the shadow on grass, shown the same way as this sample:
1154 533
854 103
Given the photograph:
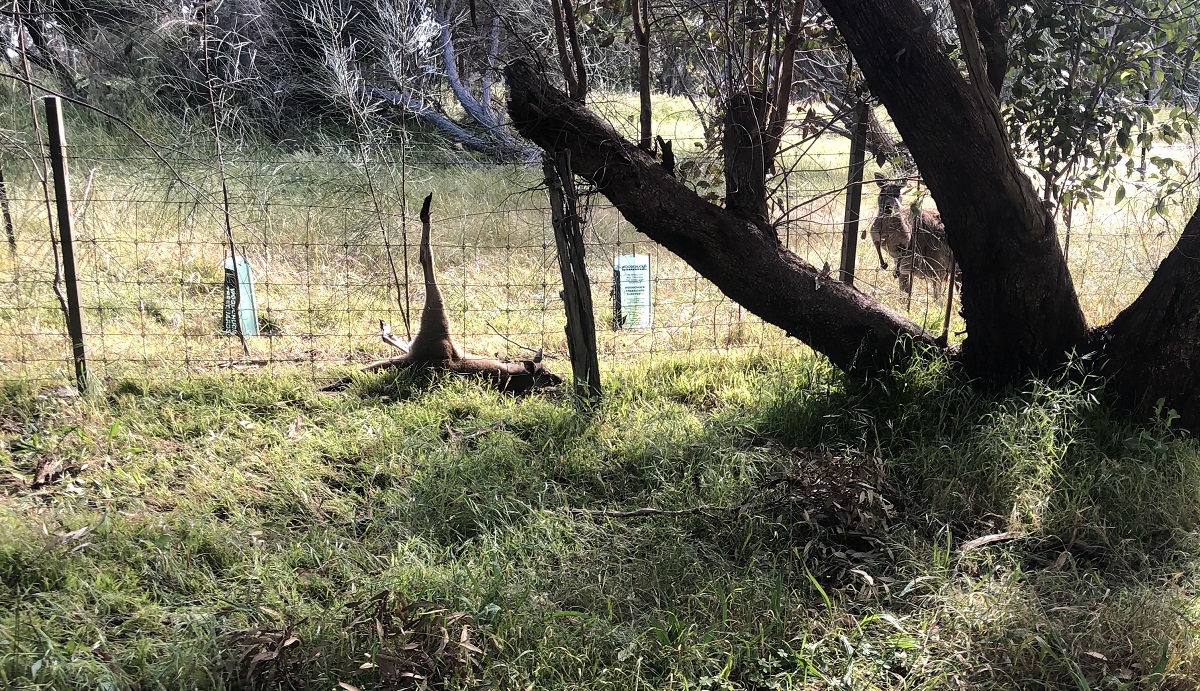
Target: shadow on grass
816 538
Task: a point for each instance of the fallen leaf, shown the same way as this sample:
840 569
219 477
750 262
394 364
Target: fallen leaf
987 540
866 576
48 472
61 391
75 534
296 429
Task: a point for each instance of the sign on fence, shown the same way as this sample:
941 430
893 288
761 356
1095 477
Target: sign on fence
631 291
240 279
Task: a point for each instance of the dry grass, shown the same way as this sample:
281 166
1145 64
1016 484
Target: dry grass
149 262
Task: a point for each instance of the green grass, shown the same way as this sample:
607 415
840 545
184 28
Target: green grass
196 527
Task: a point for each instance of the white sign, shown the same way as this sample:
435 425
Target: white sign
631 291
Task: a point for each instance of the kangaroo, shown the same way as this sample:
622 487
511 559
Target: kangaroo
928 254
916 240
434 347
889 231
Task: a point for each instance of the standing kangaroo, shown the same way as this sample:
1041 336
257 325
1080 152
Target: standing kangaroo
433 347
916 240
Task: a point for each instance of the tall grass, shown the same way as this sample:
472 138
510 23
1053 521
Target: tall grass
186 527
192 529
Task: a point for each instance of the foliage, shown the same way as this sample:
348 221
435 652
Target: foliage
1093 86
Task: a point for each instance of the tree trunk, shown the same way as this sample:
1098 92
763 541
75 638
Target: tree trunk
1017 296
990 16
782 86
754 270
1152 349
745 167
641 32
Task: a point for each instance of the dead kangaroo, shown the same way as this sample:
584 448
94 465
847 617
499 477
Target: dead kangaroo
433 347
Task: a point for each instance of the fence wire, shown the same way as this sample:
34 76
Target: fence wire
331 236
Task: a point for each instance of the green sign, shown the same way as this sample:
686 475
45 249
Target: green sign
241 279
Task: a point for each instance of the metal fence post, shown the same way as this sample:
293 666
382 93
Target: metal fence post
858 151
62 199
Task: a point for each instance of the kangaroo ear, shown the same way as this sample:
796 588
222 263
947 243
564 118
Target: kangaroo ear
537 358
530 368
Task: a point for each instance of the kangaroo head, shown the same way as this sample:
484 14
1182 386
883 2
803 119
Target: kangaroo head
889 194
536 369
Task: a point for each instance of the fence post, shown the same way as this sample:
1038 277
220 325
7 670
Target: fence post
62 199
858 151
9 230
577 291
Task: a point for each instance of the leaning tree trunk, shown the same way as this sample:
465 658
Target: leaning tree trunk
1152 348
1018 300
746 262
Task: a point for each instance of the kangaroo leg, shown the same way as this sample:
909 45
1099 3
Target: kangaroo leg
433 341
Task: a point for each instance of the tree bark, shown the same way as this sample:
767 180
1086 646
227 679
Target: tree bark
745 167
1018 300
641 32
989 20
1152 349
853 331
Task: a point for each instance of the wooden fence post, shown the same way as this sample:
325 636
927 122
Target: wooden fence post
62 199
577 291
858 150
6 213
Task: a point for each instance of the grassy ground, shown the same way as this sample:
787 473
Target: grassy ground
188 527
234 532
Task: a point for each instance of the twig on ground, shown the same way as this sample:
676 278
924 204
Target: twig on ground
522 347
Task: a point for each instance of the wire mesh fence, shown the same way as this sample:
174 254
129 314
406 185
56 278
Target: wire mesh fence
331 237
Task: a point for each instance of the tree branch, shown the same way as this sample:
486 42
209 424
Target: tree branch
989 20
752 269
777 119
451 128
